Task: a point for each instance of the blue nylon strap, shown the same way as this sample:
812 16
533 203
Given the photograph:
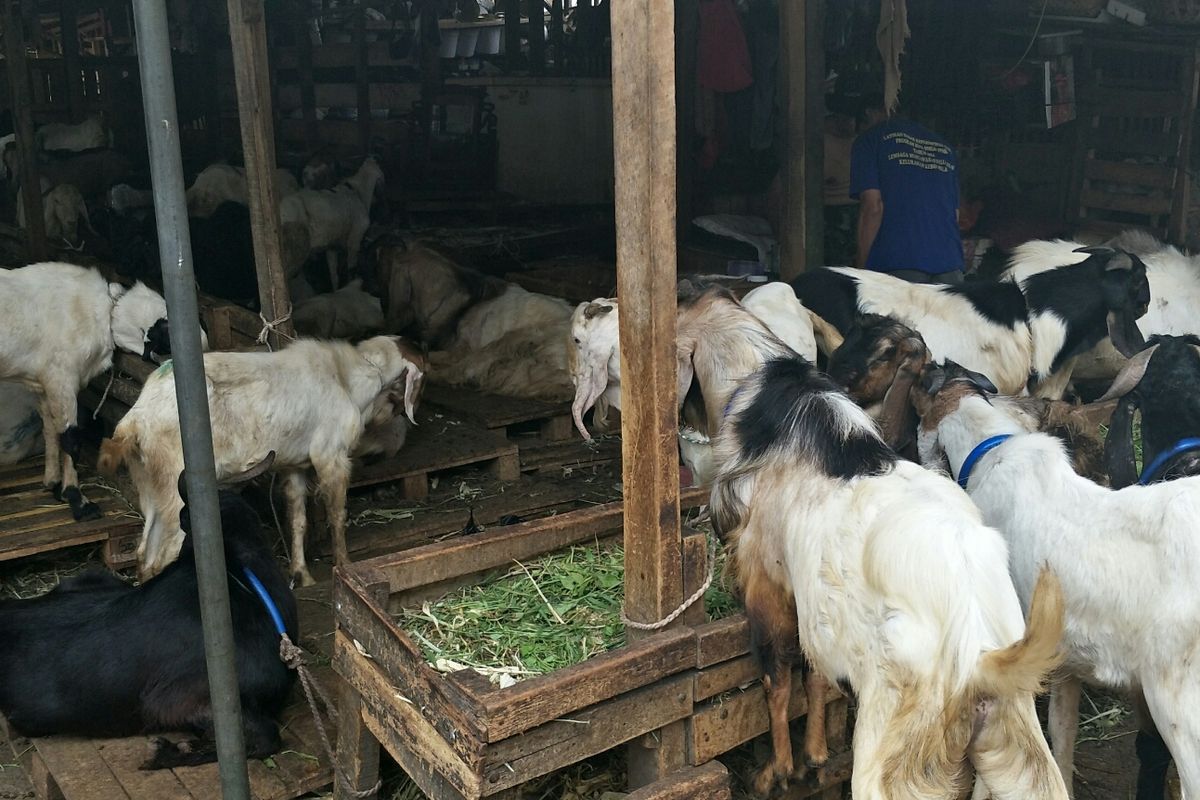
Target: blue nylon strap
1154 467
261 591
981 449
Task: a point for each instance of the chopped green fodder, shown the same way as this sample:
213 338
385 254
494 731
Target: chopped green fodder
539 616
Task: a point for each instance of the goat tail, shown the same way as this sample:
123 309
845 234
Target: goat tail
116 451
1022 666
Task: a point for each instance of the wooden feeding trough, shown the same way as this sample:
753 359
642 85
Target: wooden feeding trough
459 737
515 417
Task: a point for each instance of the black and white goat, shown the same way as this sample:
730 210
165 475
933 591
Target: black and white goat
1025 337
99 657
59 327
1128 560
899 589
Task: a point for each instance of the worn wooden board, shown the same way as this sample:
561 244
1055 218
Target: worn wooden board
576 280
707 782
573 453
509 415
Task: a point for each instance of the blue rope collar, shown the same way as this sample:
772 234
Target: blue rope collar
265 597
981 449
1156 466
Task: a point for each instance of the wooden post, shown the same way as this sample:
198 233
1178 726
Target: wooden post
22 106
357 749
308 93
248 36
687 26
802 61
537 37
360 78
557 34
512 33
69 25
644 151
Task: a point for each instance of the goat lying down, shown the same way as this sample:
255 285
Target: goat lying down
1023 338
1128 560
99 657
309 402
880 362
1174 280
59 327
899 589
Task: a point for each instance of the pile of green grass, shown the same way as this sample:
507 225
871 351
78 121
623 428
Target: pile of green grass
538 617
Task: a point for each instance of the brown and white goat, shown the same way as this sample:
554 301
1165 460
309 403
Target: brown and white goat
880 361
899 589
309 402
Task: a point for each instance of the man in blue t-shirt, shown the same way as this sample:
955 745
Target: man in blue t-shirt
906 180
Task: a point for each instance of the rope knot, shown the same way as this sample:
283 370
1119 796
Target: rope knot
272 327
290 654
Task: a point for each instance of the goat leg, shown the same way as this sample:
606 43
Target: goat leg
71 443
771 612
295 490
816 749
335 481
1153 756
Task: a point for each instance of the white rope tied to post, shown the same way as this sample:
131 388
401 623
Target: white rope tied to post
112 374
688 603
293 657
272 327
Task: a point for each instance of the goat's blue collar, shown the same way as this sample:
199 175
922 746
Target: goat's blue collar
1156 466
265 597
981 449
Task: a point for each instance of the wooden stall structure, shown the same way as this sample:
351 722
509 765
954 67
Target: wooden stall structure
663 693
1137 110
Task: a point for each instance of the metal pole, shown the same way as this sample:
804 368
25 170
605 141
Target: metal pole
170 210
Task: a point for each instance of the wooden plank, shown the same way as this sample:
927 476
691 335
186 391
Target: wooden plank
1131 143
1181 200
1148 175
722 724
737 673
363 88
69 27
78 770
1130 203
586 733
536 33
722 640
357 748
204 781
512 33
538 700
457 718
22 108
1133 102
707 782
437 445
308 98
124 757
802 57
248 38
400 726
494 411
573 453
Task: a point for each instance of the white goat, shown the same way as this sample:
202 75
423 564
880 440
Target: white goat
899 589
338 218
19 423
1174 279
61 324
63 207
1128 560
309 402
348 313
87 135
216 184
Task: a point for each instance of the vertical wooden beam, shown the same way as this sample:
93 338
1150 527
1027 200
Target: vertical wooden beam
69 25
643 69
357 749
1177 225
512 33
802 61
360 78
18 87
557 34
687 27
537 37
308 92
248 37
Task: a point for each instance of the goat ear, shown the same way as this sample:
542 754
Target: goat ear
933 379
1118 447
414 382
593 310
1094 250
686 372
981 382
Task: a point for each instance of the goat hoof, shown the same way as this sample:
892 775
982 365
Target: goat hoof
767 779
87 511
302 577
816 760
56 490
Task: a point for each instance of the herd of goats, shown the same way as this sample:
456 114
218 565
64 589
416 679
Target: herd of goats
927 520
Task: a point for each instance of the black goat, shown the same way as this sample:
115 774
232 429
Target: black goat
98 657
1162 381
222 250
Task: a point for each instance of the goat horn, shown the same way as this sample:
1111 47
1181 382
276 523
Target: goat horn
1130 375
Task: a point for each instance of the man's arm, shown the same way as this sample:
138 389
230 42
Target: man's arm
870 215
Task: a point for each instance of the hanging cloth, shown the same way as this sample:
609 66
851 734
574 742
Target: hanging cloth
723 59
890 36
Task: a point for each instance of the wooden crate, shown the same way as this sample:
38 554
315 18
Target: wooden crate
458 736
515 417
67 768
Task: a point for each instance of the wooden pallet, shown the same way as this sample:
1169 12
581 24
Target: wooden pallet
435 446
554 457
67 768
32 521
513 416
